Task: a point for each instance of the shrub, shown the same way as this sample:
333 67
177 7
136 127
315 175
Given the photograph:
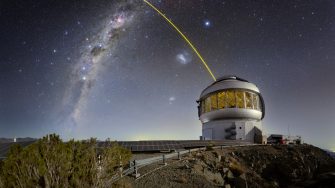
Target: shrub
49 162
209 147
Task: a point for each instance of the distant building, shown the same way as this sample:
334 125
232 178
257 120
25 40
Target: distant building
284 139
276 139
231 108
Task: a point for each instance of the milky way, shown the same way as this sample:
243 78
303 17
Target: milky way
101 45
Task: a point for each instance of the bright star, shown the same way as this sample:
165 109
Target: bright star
207 23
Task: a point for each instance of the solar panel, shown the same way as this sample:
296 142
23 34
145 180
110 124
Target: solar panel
159 145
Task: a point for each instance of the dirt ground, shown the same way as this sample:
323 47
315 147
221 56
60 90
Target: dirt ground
251 166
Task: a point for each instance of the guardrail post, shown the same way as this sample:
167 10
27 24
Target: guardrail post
136 174
189 151
130 164
164 160
121 166
179 156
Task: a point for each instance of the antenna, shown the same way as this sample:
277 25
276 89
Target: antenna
288 130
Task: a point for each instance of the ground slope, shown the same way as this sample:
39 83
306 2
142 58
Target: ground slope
251 166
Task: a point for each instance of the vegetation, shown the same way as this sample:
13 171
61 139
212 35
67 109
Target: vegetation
52 163
209 147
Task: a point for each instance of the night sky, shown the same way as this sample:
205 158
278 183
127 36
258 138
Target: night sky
116 68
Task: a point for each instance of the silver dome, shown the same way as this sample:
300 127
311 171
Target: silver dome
231 97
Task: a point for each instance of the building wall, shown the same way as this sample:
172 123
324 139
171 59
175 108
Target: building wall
225 129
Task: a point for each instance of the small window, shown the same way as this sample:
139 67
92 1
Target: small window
221 101
248 100
214 102
202 106
230 97
239 99
207 104
255 101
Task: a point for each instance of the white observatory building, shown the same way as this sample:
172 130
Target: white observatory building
231 108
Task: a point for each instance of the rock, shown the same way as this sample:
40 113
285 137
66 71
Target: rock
218 166
275 184
236 169
230 175
219 158
243 176
227 186
225 170
198 168
219 183
186 166
181 180
264 166
200 156
240 182
215 153
294 174
214 177
233 160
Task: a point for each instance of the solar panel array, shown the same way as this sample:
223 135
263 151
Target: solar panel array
168 145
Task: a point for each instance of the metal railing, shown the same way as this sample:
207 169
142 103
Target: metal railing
135 165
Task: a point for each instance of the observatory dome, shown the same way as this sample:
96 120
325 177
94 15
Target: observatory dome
230 98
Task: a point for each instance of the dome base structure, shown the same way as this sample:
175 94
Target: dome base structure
232 130
231 109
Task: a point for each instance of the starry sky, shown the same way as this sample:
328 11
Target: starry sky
116 69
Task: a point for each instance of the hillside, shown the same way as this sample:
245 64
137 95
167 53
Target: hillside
253 166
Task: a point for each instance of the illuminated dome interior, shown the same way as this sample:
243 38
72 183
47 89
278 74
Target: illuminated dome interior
231 97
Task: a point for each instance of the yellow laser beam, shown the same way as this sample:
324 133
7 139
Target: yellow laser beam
184 37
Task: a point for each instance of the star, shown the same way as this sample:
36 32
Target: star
207 23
